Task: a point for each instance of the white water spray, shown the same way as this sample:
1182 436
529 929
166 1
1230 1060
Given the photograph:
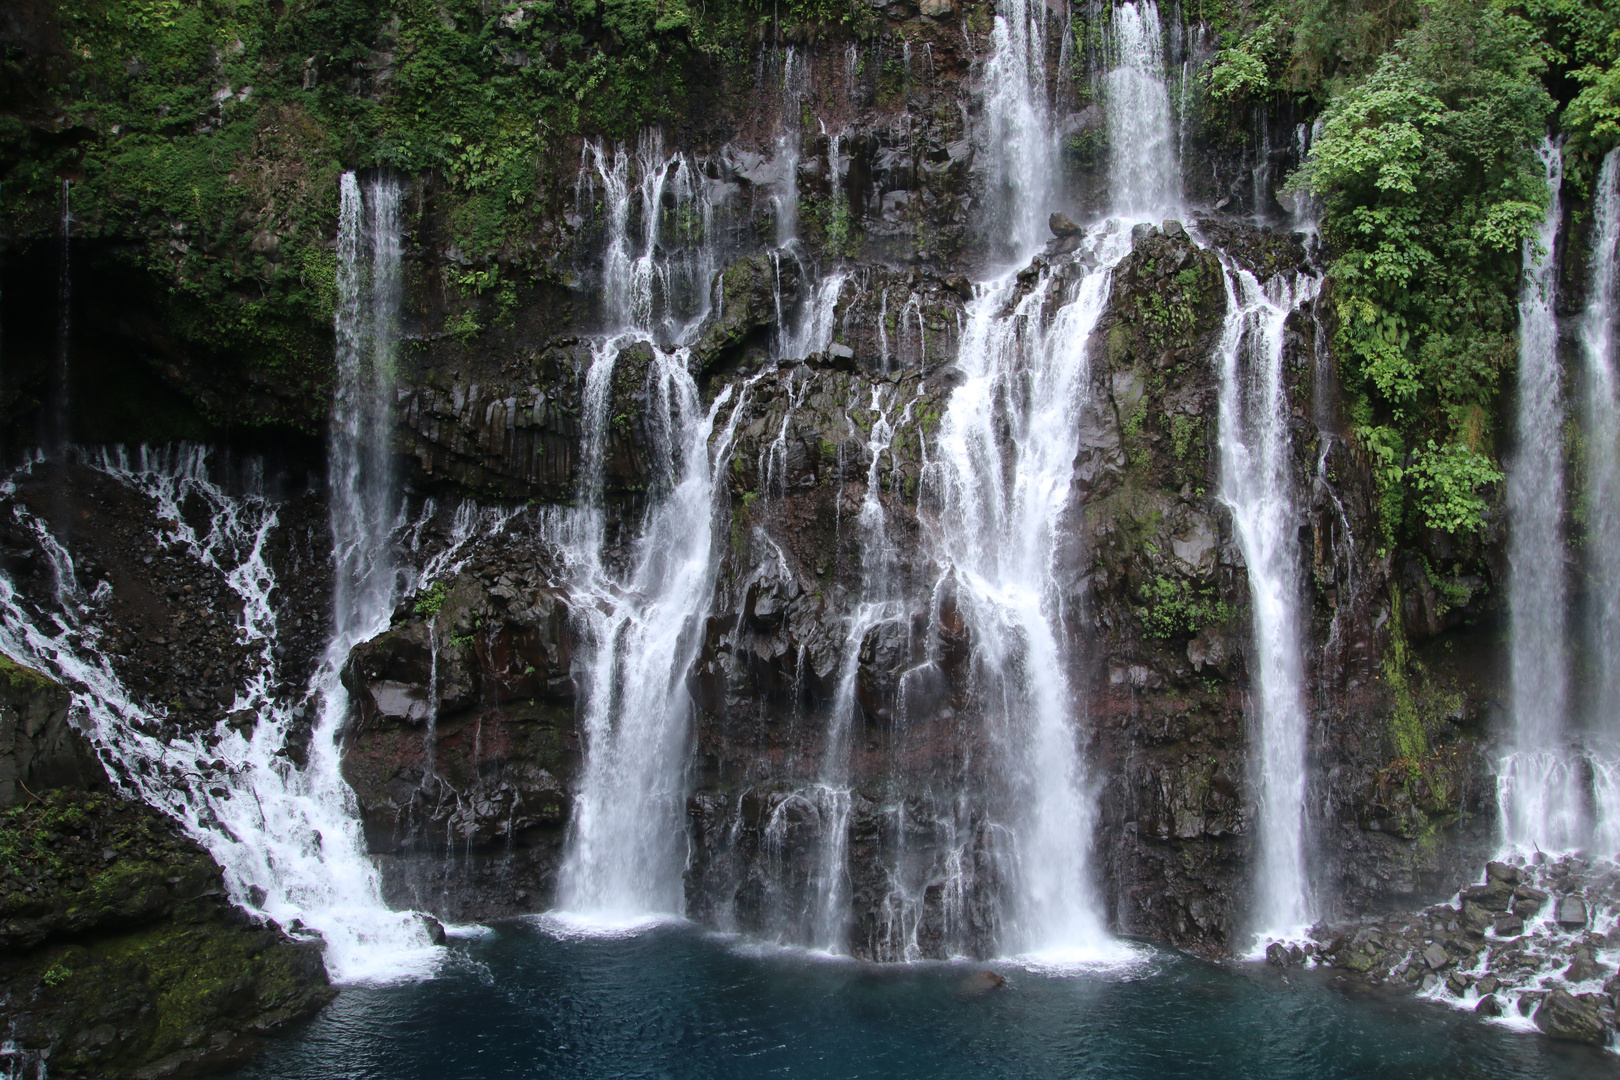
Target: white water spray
1538 781
641 629
1005 463
1257 485
1597 338
287 838
1144 170
1018 134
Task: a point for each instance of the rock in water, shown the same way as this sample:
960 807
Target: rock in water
1488 1006
1508 926
1277 954
1582 969
1572 913
1062 225
1564 1016
981 982
434 928
1496 871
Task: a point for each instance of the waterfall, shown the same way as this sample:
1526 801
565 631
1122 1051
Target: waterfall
364 489
640 618
1018 130
1257 486
1538 783
287 837
879 602
660 248
1005 460
641 628
812 331
795 85
1597 338
1144 172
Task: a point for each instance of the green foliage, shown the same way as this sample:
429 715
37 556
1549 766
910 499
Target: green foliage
1431 187
212 132
1582 48
1243 70
1449 480
429 602
463 325
1183 430
1408 740
1177 609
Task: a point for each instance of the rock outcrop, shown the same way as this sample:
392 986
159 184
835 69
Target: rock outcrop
120 955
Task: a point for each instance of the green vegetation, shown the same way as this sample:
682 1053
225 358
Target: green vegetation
1432 187
431 600
1426 163
1175 608
212 134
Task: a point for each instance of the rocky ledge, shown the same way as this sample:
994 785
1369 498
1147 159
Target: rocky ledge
120 954
1537 940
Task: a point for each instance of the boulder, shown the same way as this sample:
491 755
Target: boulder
1492 896
434 928
1475 918
1581 969
1436 957
1564 1016
1572 912
1062 225
1488 1006
1528 901
1497 871
1508 926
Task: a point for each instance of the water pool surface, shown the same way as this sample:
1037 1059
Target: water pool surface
674 1002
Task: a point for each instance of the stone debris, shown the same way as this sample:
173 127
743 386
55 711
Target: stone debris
1501 949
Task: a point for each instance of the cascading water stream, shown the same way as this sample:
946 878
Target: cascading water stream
1000 477
1018 133
1597 339
1144 170
365 505
640 622
1257 485
1004 464
286 836
1538 783
655 280
795 85
626 845
879 602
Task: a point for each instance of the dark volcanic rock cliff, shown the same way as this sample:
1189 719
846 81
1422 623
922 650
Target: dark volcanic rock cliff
119 952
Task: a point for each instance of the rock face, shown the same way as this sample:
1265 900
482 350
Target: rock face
462 748
38 749
119 954
1564 1016
463 738
1538 962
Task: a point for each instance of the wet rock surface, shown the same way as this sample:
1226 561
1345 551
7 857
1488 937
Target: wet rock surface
463 746
1537 939
119 952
